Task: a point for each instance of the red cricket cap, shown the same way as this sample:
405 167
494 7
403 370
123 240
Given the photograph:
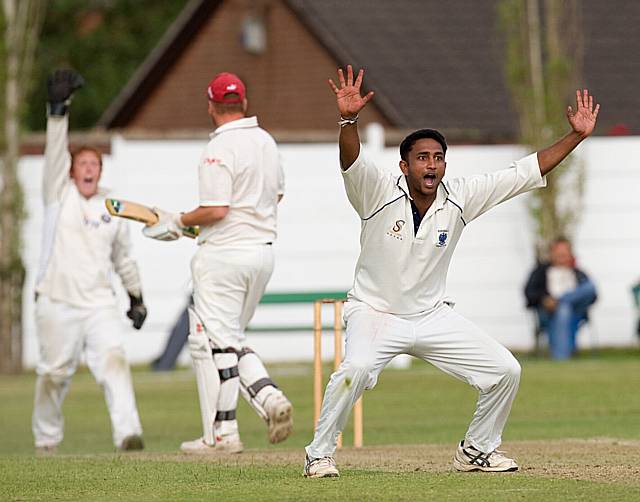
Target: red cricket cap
224 84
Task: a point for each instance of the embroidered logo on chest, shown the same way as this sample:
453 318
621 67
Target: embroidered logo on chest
91 222
443 235
396 230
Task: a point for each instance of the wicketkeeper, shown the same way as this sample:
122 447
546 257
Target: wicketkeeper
76 308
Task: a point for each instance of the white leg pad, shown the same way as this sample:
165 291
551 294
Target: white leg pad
264 397
227 364
252 372
255 405
207 377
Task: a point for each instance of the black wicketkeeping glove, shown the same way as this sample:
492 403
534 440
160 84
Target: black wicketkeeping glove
60 87
137 311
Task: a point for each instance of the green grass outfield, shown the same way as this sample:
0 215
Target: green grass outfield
574 428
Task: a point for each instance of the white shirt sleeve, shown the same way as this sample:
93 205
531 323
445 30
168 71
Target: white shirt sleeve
123 263
366 185
477 194
215 176
280 177
57 160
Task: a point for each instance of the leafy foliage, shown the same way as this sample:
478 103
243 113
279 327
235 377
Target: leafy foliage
543 55
105 40
21 22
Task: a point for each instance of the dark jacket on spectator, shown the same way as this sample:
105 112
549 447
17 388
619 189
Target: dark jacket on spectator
536 288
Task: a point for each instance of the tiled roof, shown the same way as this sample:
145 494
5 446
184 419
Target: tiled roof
441 64
431 63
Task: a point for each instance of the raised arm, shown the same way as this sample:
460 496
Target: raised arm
57 159
60 87
349 102
582 121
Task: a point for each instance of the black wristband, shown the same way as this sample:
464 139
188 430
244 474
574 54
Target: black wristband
58 109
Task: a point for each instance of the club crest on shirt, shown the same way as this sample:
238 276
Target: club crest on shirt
443 235
91 223
396 230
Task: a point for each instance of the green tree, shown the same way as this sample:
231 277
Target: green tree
106 41
543 62
21 20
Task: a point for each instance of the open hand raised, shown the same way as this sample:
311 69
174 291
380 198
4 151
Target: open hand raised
583 119
348 94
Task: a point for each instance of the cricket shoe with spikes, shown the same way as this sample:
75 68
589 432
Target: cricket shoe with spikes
224 444
279 417
467 458
323 467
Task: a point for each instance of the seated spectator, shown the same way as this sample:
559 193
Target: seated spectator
561 295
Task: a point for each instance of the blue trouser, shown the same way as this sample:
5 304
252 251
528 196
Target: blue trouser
562 324
177 339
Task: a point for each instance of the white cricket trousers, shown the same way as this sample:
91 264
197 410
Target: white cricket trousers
228 283
64 332
445 339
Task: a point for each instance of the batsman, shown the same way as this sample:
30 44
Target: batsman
411 223
240 183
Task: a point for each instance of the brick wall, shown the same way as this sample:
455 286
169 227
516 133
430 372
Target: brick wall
286 85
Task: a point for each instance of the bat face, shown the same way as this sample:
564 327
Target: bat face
142 214
131 211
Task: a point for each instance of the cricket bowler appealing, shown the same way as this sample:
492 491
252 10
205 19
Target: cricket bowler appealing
241 182
76 307
411 223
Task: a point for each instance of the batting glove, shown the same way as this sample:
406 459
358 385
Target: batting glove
137 311
60 87
168 228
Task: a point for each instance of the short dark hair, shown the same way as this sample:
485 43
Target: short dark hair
409 141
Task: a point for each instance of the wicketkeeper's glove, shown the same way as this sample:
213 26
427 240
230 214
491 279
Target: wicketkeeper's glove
137 311
60 87
168 228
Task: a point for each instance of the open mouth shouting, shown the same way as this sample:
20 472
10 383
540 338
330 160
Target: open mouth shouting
430 180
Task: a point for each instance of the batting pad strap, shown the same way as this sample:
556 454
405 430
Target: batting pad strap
258 385
225 415
228 373
244 351
228 350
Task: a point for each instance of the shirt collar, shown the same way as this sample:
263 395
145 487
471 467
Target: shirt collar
243 123
441 194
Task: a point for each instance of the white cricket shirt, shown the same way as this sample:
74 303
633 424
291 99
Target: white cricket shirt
404 274
240 168
82 244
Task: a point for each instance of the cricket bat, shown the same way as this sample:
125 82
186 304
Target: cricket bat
141 213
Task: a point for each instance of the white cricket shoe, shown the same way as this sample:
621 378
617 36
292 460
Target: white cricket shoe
229 444
224 444
279 417
324 467
467 458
